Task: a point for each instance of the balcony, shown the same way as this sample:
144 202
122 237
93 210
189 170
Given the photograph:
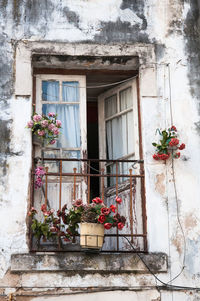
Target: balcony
70 179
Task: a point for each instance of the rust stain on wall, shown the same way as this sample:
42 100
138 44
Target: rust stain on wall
160 186
190 221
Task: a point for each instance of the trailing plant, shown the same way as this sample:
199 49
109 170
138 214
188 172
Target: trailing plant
46 128
169 144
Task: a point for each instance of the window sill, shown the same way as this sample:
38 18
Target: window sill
78 262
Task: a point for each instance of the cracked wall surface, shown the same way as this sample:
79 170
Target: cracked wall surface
172 28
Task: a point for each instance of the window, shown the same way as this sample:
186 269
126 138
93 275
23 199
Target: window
65 96
115 134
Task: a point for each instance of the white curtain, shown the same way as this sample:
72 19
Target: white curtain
68 114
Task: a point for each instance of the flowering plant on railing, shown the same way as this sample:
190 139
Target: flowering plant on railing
46 128
66 224
39 173
169 143
96 212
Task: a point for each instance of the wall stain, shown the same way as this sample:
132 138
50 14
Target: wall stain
190 221
159 185
192 48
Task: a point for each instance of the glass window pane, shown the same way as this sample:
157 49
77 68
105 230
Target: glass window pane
69 116
70 91
125 98
130 142
53 166
110 106
68 166
50 90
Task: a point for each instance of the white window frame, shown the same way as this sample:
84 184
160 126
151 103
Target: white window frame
82 103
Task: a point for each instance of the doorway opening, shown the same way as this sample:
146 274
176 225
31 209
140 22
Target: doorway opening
106 84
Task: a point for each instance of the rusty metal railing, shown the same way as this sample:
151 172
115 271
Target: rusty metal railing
76 183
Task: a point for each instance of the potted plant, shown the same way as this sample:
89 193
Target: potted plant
93 218
45 129
169 144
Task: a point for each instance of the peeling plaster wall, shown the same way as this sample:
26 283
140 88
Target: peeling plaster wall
173 27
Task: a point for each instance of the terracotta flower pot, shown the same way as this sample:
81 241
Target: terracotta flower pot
91 235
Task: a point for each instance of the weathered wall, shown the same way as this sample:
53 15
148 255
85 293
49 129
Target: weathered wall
173 27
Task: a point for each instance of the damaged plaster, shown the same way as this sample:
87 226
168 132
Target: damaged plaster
169 30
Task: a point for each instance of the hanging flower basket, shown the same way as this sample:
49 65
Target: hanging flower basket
169 145
45 129
91 236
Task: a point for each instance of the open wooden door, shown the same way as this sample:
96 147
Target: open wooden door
119 140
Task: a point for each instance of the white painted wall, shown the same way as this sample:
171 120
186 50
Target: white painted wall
164 233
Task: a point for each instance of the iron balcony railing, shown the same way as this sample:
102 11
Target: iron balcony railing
69 179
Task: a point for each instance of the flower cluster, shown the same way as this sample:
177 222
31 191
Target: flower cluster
43 229
168 144
66 222
97 212
45 127
39 173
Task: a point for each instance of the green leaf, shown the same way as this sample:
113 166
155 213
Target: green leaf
154 144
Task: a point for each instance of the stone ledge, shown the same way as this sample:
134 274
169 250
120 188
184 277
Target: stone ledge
78 262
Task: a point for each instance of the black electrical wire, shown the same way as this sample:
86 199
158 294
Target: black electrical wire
167 285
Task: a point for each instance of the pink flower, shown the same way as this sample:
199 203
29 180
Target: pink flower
51 126
53 141
30 124
56 131
43 208
40 171
51 114
37 118
53 229
78 203
41 133
58 123
118 200
44 123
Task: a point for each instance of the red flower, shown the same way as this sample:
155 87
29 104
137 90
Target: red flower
113 208
118 200
163 156
120 226
43 208
105 210
156 157
174 142
173 128
182 146
97 200
107 226
101 218
177 155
